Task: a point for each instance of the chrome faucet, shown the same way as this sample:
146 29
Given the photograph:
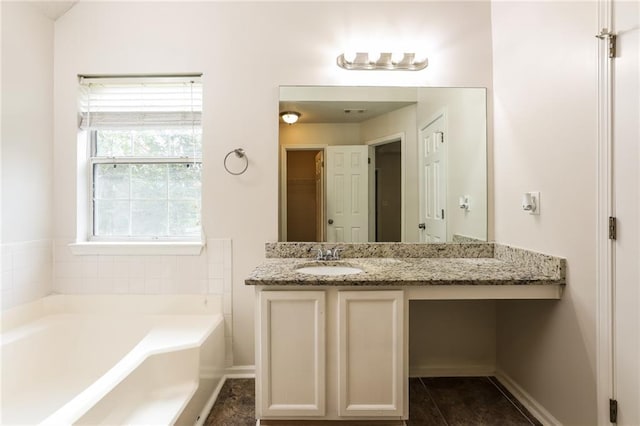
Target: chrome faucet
328 254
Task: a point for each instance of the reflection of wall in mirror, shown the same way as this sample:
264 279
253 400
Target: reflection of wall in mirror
467 175
320 133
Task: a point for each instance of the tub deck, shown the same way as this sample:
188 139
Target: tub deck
74 368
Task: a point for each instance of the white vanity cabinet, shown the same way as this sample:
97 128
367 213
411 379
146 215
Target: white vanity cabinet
370 353
291 352
331 354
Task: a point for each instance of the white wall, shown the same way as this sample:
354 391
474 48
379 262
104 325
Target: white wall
544 63
27 146
246 51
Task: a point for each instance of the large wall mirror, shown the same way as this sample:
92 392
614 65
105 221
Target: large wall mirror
383 164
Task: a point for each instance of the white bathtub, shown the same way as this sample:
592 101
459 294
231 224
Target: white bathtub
110 359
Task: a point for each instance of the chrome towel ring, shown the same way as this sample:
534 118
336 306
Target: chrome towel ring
239 152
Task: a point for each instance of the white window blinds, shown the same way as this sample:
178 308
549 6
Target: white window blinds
141 103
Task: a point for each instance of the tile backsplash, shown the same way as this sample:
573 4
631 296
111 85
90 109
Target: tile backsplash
26 272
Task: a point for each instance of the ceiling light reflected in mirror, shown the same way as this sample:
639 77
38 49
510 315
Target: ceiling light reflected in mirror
290 117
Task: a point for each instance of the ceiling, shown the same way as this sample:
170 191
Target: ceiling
53 9
340 111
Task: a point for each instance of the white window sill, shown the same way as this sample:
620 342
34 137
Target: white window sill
173 248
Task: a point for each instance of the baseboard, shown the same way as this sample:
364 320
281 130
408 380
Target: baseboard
235 372
452 371
241 372
534 407
209 405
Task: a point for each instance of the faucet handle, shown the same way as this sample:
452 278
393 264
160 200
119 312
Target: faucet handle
336 253
320 255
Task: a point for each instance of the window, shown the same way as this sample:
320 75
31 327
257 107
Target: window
145 157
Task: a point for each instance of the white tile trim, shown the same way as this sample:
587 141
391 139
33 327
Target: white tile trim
137 248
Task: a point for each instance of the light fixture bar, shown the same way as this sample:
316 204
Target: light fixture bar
383 61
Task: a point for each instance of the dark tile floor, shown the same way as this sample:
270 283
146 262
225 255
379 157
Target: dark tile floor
235 405
442 401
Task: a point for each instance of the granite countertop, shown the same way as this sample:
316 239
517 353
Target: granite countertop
493 265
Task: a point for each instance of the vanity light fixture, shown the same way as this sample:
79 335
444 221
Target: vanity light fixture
382 61
290 117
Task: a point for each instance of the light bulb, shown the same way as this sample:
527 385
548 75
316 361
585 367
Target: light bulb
419 57
374 57
349 56
397 57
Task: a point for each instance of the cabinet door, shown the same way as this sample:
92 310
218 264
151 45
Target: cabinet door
291 353
370 353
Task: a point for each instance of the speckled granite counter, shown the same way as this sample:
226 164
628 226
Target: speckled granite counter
410 265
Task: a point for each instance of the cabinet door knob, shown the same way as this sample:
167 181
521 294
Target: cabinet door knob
330 221
422 226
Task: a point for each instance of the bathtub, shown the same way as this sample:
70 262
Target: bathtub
111 359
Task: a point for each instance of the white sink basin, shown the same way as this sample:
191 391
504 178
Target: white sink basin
329 270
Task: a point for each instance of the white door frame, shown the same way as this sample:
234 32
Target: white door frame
605 247
604 250
403 174
283 180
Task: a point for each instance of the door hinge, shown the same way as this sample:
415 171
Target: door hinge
613 228
605 34
442 214
613 411
368 160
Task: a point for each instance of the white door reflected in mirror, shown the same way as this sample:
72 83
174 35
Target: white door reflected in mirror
346 197
432 163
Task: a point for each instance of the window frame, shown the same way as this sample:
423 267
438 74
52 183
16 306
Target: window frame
94 160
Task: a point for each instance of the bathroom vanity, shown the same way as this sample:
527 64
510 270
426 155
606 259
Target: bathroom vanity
332 336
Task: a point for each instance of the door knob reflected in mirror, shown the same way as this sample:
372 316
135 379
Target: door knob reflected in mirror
330 221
